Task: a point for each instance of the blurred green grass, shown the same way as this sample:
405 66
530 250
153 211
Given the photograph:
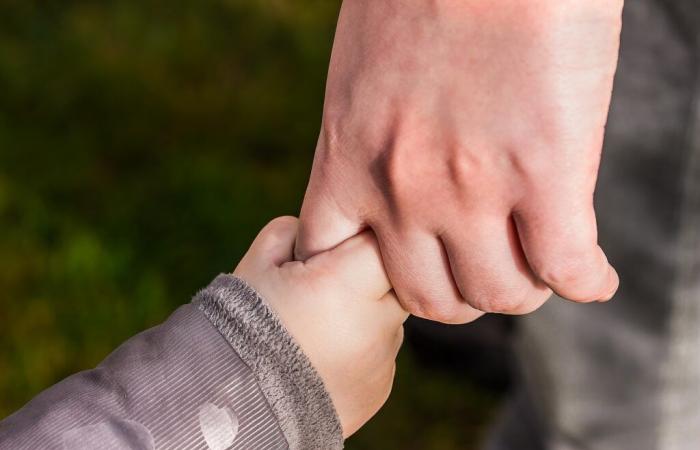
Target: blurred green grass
142 145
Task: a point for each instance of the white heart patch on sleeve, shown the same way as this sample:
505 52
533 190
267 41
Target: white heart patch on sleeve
219 426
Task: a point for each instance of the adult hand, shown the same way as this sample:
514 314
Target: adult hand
467 135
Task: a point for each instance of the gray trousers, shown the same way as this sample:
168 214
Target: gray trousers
626 375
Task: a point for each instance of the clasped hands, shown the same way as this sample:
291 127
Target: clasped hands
454 176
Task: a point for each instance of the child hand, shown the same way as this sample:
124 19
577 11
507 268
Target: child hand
340 309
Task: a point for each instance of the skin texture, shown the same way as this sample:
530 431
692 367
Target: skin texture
340 309
468 137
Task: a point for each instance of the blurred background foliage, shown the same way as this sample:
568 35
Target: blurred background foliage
143 143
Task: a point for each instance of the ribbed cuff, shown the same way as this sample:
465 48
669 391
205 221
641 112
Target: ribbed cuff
293 388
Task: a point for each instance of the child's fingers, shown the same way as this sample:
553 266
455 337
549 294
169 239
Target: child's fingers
274 245
355 266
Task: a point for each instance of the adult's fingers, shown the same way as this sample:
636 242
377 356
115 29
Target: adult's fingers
490 269
559 236
419 270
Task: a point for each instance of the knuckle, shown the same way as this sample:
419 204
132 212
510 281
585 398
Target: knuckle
558 275
517 296
439 311
397 170
465 168
498 303
569 280
396 173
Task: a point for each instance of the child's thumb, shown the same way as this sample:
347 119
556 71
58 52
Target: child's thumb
274 245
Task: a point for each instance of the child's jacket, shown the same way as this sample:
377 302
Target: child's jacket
219 373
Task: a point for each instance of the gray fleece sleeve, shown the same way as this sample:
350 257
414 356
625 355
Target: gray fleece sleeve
220 373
